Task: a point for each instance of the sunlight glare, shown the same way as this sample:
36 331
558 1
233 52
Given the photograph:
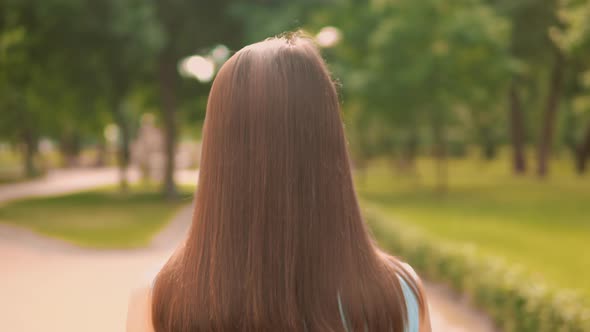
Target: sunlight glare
328 36
198 67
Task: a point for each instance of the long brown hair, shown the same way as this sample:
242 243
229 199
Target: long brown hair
277 241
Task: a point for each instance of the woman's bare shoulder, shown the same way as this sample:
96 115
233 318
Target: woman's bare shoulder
139 313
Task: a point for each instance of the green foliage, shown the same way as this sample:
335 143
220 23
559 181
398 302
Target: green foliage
513 300
531 21
409 65
264 19
413 73
63 60
191 27
573 38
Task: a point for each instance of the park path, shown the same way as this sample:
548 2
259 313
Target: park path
63 181
50 285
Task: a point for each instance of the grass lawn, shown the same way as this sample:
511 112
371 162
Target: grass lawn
102 218
541 226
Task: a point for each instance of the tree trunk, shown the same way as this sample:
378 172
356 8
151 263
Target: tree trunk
411 150
488 144
123 147
101 154
552 106
167 81
70 149
517 131
29 152
440 155
583 153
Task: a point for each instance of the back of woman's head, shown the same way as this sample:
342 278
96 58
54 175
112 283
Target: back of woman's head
277 242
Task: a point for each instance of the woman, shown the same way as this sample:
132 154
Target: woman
277 241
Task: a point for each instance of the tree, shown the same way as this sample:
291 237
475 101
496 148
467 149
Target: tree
53 91
123 38
428 58
531 48
551 107
188 27
25 34
554 93
117 40
18 124
573 39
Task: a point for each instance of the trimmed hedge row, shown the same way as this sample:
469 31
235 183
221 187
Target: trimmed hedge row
508 295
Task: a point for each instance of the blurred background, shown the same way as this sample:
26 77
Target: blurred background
468 123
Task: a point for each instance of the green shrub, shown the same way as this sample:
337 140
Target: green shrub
511 297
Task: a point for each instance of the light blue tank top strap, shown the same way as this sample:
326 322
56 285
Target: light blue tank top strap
412 307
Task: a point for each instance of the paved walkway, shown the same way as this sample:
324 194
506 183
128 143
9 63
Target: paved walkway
49 285
46 285
63 181
451 313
